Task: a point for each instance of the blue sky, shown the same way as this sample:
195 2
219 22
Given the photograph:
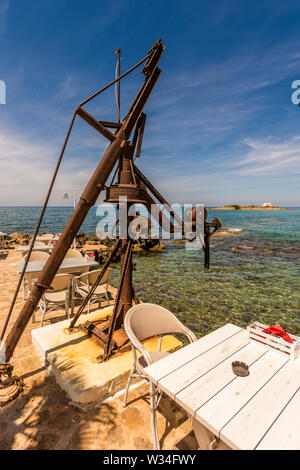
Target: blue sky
221 124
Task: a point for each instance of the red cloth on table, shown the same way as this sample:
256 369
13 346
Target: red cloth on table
276 330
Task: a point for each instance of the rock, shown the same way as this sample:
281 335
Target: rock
19 238
142 246
93 237
242 248
81 238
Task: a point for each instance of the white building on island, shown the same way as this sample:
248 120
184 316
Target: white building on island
267 204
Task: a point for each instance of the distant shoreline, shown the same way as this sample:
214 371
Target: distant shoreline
248 208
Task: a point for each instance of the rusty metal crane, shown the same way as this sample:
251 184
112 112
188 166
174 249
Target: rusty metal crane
132 183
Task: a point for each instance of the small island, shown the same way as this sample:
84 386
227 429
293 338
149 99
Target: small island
266 206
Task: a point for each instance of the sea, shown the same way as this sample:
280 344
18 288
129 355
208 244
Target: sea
253 276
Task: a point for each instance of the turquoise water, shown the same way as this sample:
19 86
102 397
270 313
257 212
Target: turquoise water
260 284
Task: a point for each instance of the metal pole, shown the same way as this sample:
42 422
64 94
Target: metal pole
118 54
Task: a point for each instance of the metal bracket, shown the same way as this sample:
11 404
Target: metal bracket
43 286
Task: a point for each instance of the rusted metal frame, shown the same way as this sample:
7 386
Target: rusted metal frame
112 125
117 302
143 98
126 181
136 132
215 225
93 332
156 51
157 194
38 226
141 136
87 200
115 173
156 47
89 197
96 124
95 285
135 297
132 171
118 53
115 80
162 219
206 249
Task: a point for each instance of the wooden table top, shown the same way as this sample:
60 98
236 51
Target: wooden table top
67 264
259 411
24 249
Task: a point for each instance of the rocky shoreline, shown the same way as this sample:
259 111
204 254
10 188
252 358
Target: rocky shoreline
90 242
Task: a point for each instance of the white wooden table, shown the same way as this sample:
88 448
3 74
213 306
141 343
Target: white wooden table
24 249
260 411
68 265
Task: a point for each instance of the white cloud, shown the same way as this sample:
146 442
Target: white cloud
27 168
266 157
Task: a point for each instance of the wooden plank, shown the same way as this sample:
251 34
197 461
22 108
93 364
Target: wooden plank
193 370
285 432
198 393
218 411
248 427
177 359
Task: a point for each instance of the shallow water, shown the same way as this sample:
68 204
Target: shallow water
238 288
261 284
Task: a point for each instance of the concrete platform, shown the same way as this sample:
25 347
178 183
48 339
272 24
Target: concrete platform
73 360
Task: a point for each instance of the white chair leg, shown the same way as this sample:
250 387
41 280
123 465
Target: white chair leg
153 394
43 315
67 308
128 385
25 288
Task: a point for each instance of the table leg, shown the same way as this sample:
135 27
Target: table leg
72 298
204 437
153 407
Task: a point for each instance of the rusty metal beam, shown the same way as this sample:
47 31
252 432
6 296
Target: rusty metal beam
141 136
162 219
125 268
156 194
141 101
112 125
96 283
96 124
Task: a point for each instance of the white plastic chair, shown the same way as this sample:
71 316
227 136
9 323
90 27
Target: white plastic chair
37 256
145 321
58 296
39 244
84 283
29 278
71 253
